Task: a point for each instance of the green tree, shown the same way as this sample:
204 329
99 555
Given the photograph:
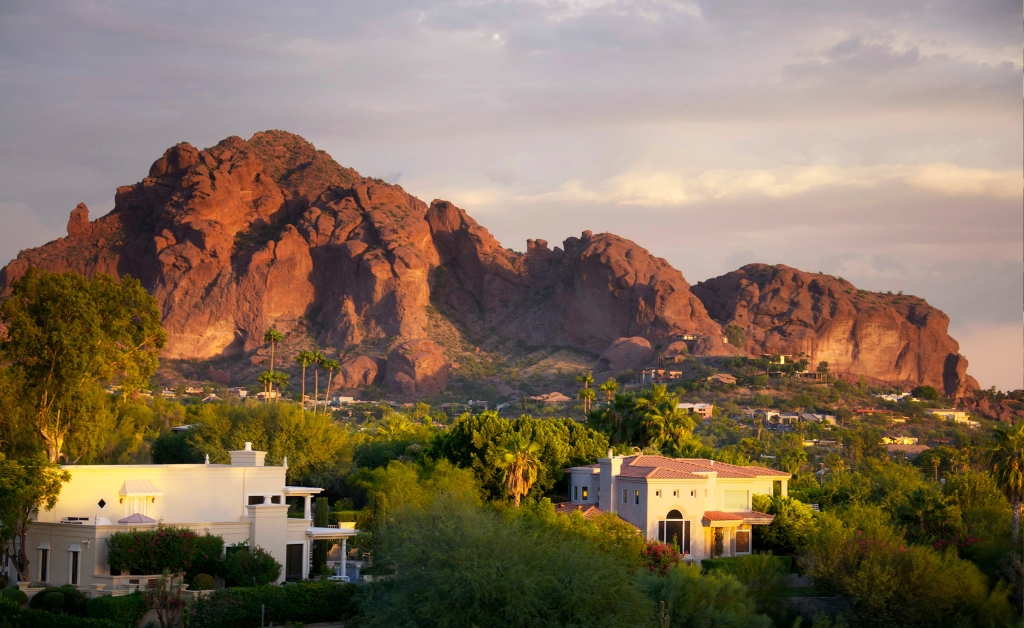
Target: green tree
822 367
926 393
587 395
734 335
25 487
713 600
519 463
1008 468
321 519
267 379
67 335
304 359
273 337
318 359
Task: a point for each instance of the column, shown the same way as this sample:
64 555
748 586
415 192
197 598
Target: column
305 507
344 558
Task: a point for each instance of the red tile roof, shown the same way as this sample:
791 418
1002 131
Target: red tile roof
661 467
746 516
588 512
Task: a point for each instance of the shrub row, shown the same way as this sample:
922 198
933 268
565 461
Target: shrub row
723 563
13 616
300 602
125 611
176 549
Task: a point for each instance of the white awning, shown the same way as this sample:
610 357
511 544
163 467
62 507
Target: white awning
302 490
330 533
139 488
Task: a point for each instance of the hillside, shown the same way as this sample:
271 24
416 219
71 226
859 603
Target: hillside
270 232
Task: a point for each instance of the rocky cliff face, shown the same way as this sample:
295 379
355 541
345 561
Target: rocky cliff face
885 337
267 232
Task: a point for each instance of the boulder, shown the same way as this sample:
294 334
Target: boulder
218 376
417 367
358 372
623 354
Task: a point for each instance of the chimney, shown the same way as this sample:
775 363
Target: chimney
246 457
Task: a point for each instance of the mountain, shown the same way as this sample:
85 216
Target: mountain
270 231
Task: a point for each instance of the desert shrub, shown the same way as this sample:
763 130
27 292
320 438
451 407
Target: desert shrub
764 576
788 531
125 610
178 550
16 595
695 600
458 564
67 599
203 582
250 567
305 602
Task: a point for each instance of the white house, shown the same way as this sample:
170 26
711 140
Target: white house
691 500
703 410
242 501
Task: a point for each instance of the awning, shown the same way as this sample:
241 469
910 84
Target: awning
302 490
330 533
139 488
136 518
719 519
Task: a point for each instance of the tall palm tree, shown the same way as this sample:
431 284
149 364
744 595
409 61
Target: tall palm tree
281 379
304 359
609 388
273 337
266 378
587 395
519 461
1007 457
331 366
318 359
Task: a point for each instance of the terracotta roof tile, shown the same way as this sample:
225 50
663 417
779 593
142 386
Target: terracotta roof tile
695 465
746 516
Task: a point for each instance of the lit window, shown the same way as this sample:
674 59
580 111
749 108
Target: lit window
584 493
636 497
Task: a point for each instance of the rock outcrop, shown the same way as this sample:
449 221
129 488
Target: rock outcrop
269 231
624 354
417 367
885 337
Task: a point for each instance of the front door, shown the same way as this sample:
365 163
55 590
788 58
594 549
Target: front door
293 561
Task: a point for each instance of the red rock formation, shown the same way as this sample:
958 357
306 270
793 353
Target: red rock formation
269 231
891 338
417 367
624 354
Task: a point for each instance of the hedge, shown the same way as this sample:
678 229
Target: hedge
72 600
304 602
125 611
13 616
175 549
723 563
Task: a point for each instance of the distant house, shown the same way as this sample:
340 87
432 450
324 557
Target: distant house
167 393
898 440
194 390
722 378
656 376
910 451
812 375
703 410
818 418
787 418
212 397
894 398
691 501
551 397
957 416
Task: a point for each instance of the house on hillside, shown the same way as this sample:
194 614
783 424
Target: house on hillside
694 501
825 419
956 416
898 440
551 397
722 378
703 410
656 376
241 501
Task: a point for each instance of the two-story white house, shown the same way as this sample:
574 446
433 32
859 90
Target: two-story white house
686 500
244 501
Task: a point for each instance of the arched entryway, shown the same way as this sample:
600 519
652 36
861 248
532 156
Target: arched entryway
674 529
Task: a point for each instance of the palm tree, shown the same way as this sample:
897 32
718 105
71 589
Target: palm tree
609 388
331 366
266 378
318 359
1007 457
587 395
281 379
518 459
273 337
304 359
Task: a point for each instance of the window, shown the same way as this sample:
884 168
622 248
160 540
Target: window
74 567
636 497
657 493
255 500
584 493
44 565
675 493
135 505
673 530
623 496
693 494
742 541
735 500
275 499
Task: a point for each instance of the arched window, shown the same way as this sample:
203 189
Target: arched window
674 530
674 514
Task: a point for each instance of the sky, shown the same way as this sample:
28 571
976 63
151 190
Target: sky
880 141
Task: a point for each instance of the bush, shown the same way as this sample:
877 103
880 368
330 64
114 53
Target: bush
337 516
304 602
177 550
12 616
66 598
764 576
203 582
250 567
713 600
16 595
125 611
